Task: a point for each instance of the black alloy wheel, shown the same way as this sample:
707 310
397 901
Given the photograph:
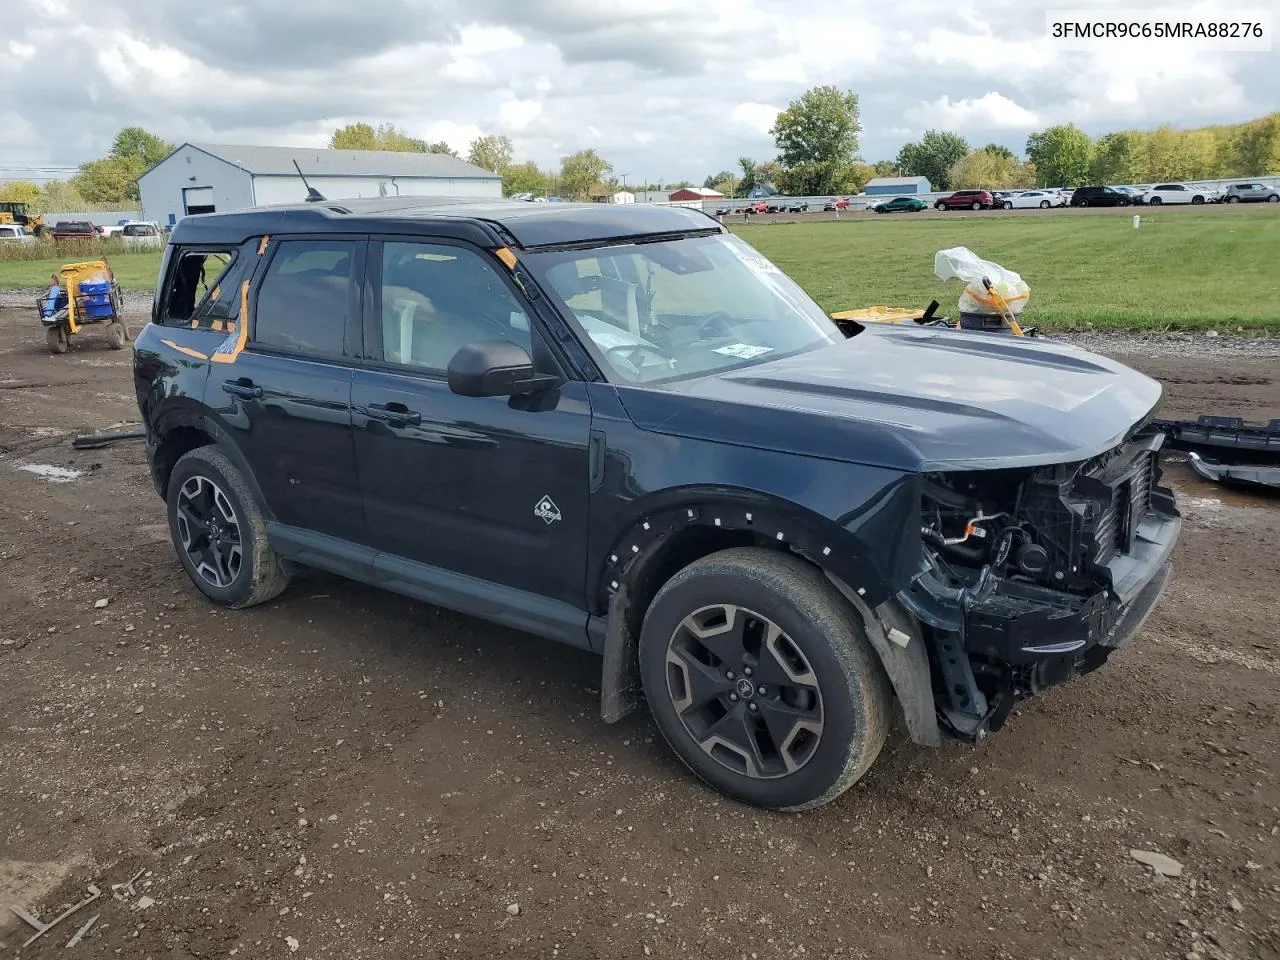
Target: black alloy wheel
209 532
744 691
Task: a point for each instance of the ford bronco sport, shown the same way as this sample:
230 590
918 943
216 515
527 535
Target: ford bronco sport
624 429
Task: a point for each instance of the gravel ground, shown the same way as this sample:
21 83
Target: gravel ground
345 773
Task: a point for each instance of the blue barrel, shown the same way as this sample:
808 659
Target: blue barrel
96 296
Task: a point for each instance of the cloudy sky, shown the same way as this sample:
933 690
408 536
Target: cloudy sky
662 88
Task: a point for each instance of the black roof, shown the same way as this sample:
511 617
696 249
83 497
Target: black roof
483 221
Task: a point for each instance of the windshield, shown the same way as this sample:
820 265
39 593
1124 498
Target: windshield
671 309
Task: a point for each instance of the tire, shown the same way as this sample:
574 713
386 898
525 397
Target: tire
1274 198
1233 199
977 206
1044 204
1197 200
116 335
56 337
1154 202
1082 203
818 664
229 577
1008 205
939 206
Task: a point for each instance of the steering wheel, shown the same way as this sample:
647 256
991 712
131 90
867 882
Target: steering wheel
715 317
631 352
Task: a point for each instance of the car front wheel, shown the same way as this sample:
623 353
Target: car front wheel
977 206
1008 205
939 206
1274 198
1233 199
1154 202
219 532
761 678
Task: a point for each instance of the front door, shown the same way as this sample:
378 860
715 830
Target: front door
285 396
491 487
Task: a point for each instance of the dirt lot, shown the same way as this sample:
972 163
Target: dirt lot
343 773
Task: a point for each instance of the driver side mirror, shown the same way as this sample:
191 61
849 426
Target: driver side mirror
494 368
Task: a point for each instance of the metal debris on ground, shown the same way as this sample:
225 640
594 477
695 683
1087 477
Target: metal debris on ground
122 891
42 928
80 934
1162 865
104 438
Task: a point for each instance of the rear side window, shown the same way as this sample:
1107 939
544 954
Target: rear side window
305 296
200 286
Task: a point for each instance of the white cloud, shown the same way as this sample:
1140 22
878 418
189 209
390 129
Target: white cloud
758 117
518 114
991 111
782 70
657 88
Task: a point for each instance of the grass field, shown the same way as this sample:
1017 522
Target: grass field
1182 269
134 271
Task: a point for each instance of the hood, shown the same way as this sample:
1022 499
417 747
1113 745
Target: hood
920 399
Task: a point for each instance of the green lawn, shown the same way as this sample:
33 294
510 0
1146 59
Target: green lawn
1182 269
134 271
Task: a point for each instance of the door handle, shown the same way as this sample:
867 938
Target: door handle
396 414
242 388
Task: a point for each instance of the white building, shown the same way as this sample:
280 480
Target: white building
623 196
207 177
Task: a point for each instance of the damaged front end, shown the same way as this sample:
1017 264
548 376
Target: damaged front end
1032 576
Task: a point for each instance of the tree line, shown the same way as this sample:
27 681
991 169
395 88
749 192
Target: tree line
817 138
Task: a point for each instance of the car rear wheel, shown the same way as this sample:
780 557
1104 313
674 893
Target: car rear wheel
219 532
939 206
1233 199
1197 199
760 677
1008 204
1154 202
1082 203
1044 204
1274 198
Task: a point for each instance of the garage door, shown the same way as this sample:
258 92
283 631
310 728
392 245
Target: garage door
198 199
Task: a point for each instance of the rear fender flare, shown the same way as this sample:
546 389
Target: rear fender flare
190 416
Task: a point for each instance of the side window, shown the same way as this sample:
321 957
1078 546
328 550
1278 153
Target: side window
438 298
197 280
304 298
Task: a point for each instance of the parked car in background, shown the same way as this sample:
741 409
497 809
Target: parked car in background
839 203
899 204
1175 193
74 230
785 205
1251 193
1030 199
15 233
112 230
1100 197
142 235
966 200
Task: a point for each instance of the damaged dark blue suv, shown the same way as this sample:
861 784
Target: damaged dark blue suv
624 429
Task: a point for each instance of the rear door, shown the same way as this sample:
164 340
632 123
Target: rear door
492 487
283 393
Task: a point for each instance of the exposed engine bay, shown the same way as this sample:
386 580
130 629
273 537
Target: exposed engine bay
1032 576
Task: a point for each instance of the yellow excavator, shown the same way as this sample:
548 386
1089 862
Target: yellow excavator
11 212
